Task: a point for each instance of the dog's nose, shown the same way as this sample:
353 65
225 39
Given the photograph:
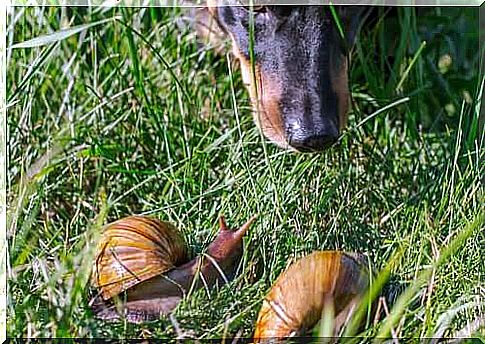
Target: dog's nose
313 139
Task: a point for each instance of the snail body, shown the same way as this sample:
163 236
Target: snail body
143 263
301 294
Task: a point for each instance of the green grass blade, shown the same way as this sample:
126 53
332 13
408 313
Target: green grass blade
411 64
58 36
401 304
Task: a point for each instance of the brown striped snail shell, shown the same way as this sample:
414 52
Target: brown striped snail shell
297 299
142 269
135 249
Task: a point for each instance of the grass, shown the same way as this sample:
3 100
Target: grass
133 117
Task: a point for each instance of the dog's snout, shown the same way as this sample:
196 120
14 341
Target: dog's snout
313 139
298 84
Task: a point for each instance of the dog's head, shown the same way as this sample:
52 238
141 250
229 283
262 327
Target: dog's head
299 89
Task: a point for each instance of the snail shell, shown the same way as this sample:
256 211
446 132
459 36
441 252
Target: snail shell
296 301
143 263
134 249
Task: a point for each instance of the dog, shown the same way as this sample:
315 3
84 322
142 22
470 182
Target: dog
299 89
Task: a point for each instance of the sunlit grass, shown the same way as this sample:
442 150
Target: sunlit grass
132 117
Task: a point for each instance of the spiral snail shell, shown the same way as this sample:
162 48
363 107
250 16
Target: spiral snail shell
299 296
143 263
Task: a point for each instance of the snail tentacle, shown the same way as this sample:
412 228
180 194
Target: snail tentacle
142 290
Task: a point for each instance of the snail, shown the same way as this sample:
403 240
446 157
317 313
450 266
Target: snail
302 293
143 263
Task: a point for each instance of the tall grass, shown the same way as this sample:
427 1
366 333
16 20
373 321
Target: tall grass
133 117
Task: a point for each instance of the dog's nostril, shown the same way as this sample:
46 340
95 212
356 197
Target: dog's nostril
311 142
311 135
